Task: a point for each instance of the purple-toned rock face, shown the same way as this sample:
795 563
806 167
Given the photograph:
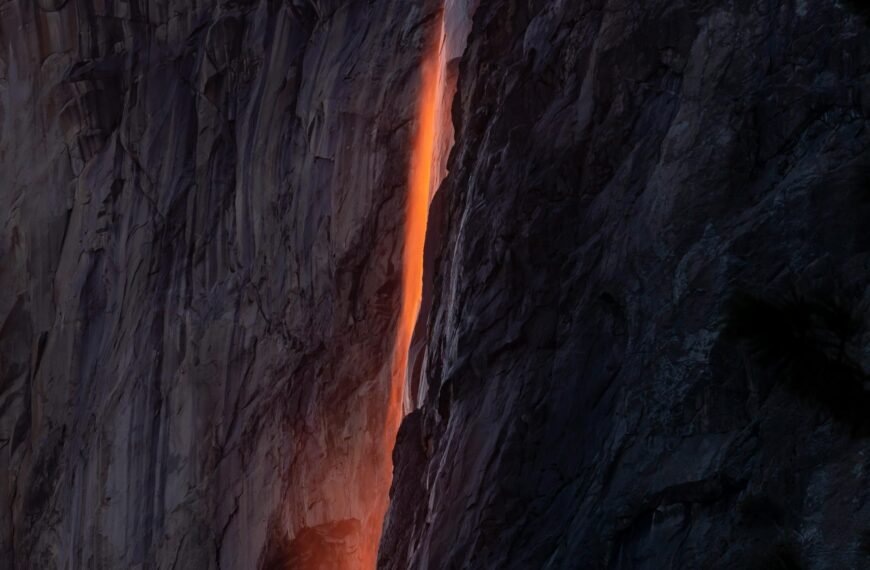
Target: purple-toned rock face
202 215
621 171
51 5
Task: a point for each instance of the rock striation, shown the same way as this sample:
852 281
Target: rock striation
622 170
654 219
200 242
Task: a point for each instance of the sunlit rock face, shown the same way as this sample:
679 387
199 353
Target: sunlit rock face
620 170
202 209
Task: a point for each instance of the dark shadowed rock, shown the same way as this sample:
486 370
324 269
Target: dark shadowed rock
201 216
621 171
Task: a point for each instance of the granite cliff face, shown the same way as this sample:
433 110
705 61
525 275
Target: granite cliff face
201 231
202 210
621 171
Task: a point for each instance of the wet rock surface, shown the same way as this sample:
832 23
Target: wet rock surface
622 170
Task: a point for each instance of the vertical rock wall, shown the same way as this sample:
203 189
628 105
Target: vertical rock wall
201 222
621 170
201 211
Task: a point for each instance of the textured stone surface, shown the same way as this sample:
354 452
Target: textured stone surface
201 208
621 169
200 216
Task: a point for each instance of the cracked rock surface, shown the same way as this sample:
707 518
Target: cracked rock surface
201 211
621 170
200 223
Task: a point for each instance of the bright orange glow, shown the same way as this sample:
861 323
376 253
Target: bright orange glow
421 184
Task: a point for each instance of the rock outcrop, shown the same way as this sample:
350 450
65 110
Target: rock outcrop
200 241
622 170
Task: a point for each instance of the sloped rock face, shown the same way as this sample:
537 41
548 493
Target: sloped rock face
621 170
201 223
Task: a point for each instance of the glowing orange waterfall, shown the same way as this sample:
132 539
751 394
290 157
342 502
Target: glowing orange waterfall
421 184
422 181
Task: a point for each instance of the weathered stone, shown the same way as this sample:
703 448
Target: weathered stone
202 206
620 170
201 224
